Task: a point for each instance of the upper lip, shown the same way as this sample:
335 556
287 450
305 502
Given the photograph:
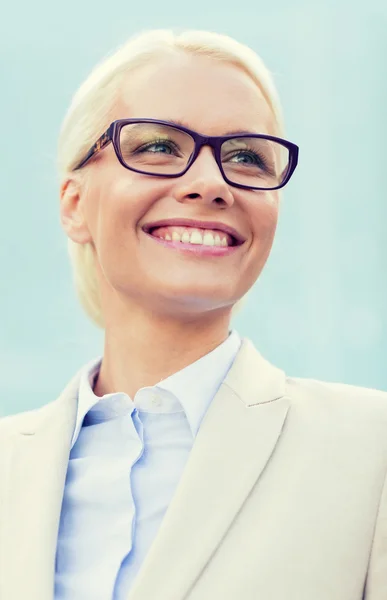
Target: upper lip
216 225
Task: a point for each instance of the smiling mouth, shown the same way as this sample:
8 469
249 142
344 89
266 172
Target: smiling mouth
194 236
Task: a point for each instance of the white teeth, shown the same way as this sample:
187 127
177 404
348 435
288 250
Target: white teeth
196 238
204 238
208 239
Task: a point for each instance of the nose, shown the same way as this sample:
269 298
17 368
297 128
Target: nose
203 182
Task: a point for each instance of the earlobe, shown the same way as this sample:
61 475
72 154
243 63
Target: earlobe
71 213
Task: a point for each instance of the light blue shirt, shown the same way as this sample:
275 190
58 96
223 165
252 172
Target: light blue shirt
126 459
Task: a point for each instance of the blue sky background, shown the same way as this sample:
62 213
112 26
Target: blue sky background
320 308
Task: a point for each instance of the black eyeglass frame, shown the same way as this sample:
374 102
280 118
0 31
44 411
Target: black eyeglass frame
112 135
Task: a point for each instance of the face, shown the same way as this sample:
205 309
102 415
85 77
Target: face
111 211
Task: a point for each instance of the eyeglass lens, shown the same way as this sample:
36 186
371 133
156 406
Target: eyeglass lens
163 150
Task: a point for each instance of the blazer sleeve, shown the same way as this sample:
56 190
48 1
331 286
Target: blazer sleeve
376 583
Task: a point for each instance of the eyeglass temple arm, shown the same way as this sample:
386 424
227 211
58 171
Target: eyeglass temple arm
99 145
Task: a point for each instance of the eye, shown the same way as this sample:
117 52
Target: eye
160 147
251 159
248 157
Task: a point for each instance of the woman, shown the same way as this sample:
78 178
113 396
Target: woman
183 465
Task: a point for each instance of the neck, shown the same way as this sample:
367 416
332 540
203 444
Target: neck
147 348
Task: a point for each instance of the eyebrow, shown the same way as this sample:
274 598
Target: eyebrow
232 132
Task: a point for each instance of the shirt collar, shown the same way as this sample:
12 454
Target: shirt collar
193 387
196 385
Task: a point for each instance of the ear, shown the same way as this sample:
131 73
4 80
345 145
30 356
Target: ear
71 212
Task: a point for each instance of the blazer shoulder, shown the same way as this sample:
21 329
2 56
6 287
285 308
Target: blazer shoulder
28 418
41 414
338 396
11 423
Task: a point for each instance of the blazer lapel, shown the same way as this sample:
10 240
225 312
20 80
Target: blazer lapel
33 467
235 441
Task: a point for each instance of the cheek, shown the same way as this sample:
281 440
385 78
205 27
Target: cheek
264 217
115 207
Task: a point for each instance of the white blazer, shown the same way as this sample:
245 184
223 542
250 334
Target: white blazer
291 507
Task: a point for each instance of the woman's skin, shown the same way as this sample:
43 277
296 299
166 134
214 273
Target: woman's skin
165 308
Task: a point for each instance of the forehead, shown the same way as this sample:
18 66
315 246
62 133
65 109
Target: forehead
204 94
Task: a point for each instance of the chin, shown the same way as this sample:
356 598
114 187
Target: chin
201 304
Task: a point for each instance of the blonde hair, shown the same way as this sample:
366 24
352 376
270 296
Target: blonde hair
89 115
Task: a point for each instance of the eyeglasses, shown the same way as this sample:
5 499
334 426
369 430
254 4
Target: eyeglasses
164 149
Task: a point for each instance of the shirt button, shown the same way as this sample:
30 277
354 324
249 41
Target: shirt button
155 401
